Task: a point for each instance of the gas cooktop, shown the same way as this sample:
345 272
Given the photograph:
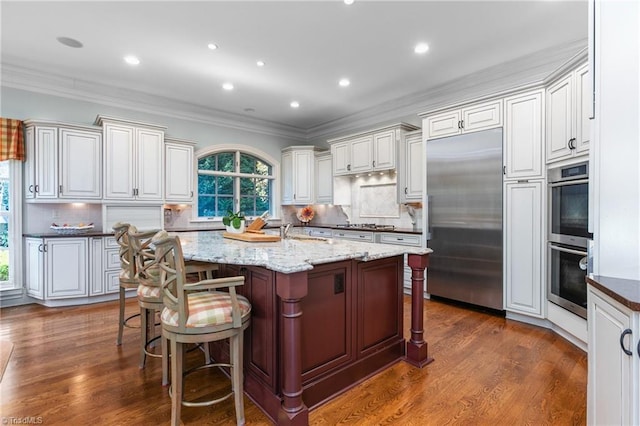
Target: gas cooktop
367 226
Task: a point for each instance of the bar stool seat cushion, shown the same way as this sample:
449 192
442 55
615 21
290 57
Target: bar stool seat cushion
149 292
207 309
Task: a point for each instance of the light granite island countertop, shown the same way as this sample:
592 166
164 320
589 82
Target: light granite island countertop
285 256
326 314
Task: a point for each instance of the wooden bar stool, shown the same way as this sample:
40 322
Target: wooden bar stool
198 313
127 277
149 296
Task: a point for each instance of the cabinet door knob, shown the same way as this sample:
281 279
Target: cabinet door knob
349 167
625 350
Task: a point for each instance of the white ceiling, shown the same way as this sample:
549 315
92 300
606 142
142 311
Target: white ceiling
307 46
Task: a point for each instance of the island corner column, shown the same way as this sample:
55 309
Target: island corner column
291 288
417 348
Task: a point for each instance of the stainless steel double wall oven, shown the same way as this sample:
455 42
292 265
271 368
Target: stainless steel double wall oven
569 236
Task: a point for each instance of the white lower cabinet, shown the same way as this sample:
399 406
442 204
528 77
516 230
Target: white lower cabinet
111 262
524 290
96 249
71 267
56 268
33 267
613 389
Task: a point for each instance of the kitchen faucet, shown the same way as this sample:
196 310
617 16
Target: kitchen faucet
284 230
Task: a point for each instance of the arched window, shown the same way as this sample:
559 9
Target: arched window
234 180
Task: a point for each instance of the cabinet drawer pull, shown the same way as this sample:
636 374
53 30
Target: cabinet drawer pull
625 350
60 189
31 189
638 347
374 163
40 248
462 124
349 167
37 188
399 239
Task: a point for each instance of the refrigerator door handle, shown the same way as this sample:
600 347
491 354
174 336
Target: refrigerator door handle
429 216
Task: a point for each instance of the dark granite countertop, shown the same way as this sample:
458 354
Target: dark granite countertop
624 291
50 234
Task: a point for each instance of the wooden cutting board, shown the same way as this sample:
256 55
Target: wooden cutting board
252 237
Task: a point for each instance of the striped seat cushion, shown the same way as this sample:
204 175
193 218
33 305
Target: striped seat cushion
148 292
207 309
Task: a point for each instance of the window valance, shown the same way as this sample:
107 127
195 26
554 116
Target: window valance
11 140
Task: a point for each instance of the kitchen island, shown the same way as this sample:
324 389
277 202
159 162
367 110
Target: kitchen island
326 314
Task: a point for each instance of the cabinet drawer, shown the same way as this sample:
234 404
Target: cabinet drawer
399 239
112 259
110 242
318 232
112 282
353 235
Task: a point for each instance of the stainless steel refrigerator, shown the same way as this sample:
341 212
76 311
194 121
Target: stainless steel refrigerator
464 210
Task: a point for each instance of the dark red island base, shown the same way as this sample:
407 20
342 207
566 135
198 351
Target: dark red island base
317 333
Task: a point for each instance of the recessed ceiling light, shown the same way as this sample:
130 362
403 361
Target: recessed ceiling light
227 86
344 82
131 60
348 2
260 63
295 104
212 46
421 48
70 42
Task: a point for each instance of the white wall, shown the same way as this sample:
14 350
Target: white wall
615 164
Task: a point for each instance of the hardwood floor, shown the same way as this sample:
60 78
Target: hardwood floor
66 369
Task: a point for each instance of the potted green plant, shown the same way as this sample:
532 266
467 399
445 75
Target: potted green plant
234 222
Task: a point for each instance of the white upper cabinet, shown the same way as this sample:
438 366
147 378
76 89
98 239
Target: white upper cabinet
324 178
178 185
63 162
523 132
133 160
41 165
80 164
384 150
341 157
298 164
410 168
368 151
568 109
361 154
471 118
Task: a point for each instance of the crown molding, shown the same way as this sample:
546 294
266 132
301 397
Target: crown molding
26 77
531 70
527 71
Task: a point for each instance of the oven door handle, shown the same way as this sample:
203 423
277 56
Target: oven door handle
566 250
568 182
